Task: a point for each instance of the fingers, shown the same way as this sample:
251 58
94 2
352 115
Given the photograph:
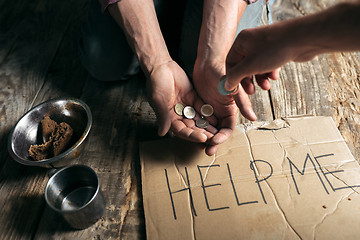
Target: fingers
243 102
237 73
263 81
185 129
235 76
248 85
218 139
162 114
221 136
211 149
274 75
226 129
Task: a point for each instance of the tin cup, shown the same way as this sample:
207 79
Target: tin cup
74 192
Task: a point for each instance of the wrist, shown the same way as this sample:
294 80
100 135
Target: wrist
208 69
211 58
149 63
209 63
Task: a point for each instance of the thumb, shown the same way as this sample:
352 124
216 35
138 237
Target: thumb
162 114
236 74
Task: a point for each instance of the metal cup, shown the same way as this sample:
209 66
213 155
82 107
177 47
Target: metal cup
74 192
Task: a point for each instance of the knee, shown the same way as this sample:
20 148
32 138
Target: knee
105 65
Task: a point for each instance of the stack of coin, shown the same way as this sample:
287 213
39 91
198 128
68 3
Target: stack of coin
189 112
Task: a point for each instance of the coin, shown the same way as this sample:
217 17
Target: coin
179 109
221 87
207 110
189 112
201 123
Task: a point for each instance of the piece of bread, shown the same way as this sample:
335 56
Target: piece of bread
61 137
48 127
56 138
41 152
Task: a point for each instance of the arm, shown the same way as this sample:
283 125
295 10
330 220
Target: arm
139 22
218 29
262 50
167 83
220 20
335 29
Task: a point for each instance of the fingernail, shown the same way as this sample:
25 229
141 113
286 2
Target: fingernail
222 87
253 115
227 86
204 137
161 132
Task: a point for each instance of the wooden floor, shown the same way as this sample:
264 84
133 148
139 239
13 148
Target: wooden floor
38 61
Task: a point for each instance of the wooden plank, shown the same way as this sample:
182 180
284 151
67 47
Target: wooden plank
327 85
11 25
262 105
22 75
300 90
111 150
9 13
66 75
24 71
286 9
21 202
343 85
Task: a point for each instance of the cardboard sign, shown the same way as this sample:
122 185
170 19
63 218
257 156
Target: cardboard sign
288 179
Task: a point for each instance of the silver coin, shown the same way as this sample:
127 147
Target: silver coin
189 112
207 110
179 109
221 87
201 123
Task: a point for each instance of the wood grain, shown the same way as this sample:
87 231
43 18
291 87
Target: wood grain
38 61
343 85
328 85
34 40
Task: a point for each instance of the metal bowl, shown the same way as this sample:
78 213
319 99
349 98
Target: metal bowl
25 133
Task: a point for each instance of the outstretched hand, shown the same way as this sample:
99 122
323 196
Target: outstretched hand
167 86
263 50
255 52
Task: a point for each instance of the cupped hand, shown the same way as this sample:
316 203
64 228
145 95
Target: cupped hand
168 85
206 77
